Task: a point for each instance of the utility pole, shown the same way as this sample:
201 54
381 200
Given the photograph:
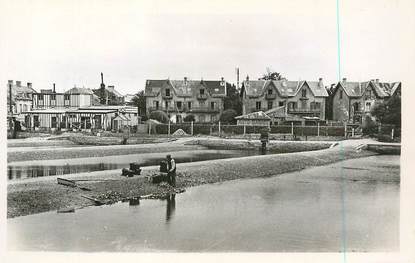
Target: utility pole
237 78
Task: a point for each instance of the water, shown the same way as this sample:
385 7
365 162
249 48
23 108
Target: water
293 212
31 169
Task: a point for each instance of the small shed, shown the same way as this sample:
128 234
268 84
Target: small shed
258 118
119 122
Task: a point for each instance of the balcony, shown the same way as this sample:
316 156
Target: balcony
167 97
201 96
272 96
204 109
168 109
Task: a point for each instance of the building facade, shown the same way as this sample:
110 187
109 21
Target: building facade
179 98
20 99
299 98
108 95
353 101
76 109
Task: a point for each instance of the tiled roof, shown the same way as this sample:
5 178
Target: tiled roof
278 112
357 89
186 88
259 115
76 90
286 88
354 89
394 87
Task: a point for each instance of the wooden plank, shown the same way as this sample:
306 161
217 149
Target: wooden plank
66 182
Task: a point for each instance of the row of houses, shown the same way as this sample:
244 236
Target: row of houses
281 101
77 108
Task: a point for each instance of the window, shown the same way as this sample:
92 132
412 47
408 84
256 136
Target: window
341 94
356 106
269 91
269 105
66 96
368 94
304 93
166 104
179 105
54 122
212 105
202 104
213 118
202 118
292 105
317 105
258 105
167 92
281 103
40 96
25 107
202 91
156 104
189 105
53 97
303 104
36 122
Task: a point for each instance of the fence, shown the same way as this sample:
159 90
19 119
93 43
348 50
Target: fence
221 129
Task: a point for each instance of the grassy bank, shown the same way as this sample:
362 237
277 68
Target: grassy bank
39 196
115 140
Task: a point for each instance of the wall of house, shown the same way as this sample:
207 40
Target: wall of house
75 100
249 103
305 104
340 105
201 115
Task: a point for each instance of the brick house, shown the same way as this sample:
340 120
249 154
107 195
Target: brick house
180 98
299 98
352 101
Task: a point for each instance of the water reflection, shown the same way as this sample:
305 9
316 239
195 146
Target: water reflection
31 171
171 206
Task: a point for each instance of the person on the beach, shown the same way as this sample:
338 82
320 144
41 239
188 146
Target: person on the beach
171 170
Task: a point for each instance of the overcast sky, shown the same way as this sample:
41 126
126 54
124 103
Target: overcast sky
70 42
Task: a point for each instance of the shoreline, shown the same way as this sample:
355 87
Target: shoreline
25 198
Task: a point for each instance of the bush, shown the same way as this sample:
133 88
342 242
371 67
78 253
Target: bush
160 116
370 127
189 118
228 116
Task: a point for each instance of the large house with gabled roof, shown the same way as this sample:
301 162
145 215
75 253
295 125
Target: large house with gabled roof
179 98
301 98
353 100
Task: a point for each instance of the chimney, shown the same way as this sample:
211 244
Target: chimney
320 82
222 79
247 78
54 90
10 82
377 80
18 83
29 85
344 80
102 78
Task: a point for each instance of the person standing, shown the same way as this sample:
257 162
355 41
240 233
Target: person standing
171 170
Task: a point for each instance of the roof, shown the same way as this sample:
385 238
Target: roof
186 87
50 111
357 89
76 90
122 118
285 88
278 112
394 87
259 115
92 111
113 90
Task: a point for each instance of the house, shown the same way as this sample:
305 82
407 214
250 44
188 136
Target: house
352 100
76 109
21 98
108 95
180 98
300 98
258 118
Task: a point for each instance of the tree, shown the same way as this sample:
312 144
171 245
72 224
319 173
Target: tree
228 116
270 75
388 112
160 116
233 99
189 118
140 102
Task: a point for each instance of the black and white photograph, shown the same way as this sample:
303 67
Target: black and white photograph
207 127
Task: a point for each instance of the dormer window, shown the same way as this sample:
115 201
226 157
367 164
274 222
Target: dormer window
304 93
341 94
202 91
168 92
